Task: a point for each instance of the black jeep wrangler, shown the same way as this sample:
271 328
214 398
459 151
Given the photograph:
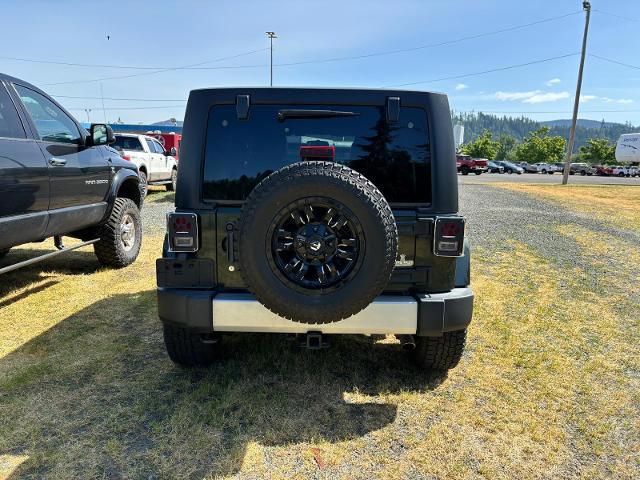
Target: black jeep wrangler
58 179
315 212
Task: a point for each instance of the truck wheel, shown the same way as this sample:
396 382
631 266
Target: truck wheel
464 170
188 348
121 236
317 242
144 183
478 173
171 187
439 353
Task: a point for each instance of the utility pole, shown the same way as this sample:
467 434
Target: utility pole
271 36
576 102
87 111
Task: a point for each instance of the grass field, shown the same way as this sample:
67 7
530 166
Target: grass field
549 386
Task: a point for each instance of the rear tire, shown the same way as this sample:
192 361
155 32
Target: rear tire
440 353
464 170
188 348
121 237
171 187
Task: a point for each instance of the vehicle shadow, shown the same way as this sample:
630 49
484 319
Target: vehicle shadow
97 396
69 263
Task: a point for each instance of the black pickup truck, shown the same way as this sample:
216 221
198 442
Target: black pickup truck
58 179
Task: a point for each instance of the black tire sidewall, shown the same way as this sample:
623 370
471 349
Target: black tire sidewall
312 306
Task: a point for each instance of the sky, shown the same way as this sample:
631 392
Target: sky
226 42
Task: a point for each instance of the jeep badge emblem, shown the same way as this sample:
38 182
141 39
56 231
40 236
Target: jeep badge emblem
403 262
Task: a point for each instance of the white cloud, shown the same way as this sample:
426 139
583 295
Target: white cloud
552 82
621 101
546 97
461 86
509 96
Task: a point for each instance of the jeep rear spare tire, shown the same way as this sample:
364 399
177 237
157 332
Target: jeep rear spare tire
317 242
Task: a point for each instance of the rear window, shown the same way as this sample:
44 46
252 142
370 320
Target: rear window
394 156
127 143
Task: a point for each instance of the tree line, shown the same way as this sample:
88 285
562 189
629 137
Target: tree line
538 146
519 127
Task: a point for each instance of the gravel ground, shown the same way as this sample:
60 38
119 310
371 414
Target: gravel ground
496 216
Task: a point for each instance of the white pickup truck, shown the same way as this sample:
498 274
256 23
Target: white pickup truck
155 165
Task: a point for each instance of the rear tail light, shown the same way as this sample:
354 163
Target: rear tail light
182 230
448 240
126 157
318 152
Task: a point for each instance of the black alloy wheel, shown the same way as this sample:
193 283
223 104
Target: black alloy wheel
316 244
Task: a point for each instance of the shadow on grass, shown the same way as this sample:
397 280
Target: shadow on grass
69 263
97 396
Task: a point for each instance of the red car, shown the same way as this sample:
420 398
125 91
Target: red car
467 165
603 170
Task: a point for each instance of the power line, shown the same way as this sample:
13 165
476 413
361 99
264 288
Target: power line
159 71
131 108
509 67
433 45
198 66
614 61
123 99
629 19
500 69
556 111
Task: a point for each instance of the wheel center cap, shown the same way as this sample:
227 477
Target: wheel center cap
315 245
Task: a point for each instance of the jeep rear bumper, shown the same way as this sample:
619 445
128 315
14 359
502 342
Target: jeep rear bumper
425 315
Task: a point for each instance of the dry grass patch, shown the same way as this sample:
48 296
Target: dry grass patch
548 387
615 204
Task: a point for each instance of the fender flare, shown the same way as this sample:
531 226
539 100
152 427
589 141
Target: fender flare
122 177
463 267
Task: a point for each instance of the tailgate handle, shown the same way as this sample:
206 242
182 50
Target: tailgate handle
229 227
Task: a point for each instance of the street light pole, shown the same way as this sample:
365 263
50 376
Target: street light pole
271 36
87 111
576 102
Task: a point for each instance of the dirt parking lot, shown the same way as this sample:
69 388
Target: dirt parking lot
549 386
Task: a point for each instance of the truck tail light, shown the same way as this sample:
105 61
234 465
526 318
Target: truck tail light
448 238
126 157
182 230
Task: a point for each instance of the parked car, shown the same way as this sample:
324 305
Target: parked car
559 166
264 239
494 167
156 165
57 179
603 170
582 169
545 168
467 165
624 171
528 167
510 167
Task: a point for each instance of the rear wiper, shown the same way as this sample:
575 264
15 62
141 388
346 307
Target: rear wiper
304 113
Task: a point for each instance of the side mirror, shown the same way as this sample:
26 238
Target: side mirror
172 151
101 134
